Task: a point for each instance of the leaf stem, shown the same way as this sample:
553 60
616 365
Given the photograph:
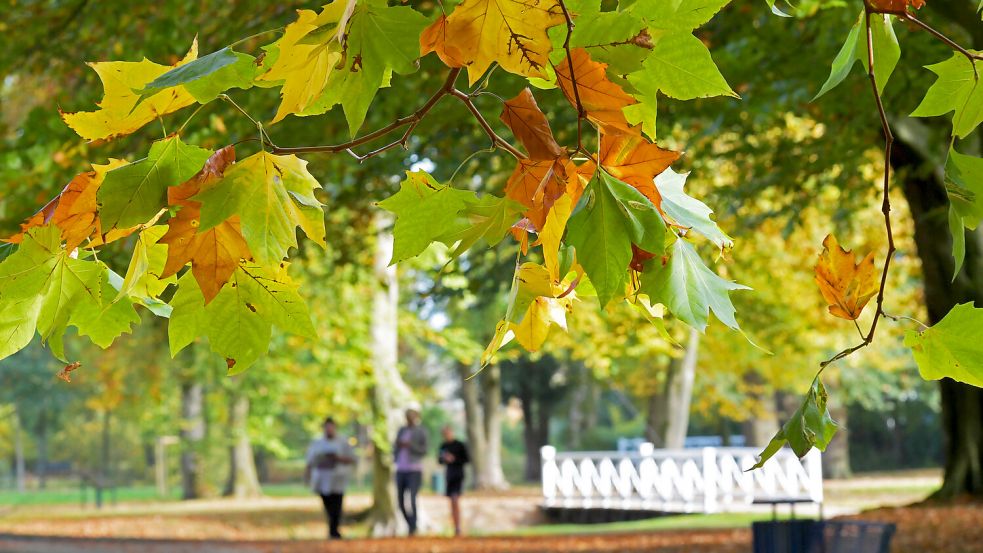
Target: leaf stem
972 57
581 114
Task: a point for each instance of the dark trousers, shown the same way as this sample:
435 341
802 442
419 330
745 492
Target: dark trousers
332 508
408 481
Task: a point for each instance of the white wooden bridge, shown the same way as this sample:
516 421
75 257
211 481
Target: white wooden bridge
708 479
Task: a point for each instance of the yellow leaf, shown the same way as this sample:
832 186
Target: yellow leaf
121 111
552 234
846 286
306 60
511 33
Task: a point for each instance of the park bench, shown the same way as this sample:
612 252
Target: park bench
812 536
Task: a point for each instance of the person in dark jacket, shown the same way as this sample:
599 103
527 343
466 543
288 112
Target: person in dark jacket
409 450
453 454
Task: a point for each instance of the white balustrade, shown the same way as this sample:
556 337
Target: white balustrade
708 479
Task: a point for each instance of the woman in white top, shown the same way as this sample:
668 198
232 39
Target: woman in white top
328 461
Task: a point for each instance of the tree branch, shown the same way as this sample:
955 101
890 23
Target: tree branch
946 40
497 141
573 78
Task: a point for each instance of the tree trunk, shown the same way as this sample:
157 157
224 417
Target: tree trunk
762 425
192 436
243 481
491 383
962 405
18 453
41 464
836 458
389 392
473 422
668 410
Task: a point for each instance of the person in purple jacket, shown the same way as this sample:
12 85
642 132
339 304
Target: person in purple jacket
409 450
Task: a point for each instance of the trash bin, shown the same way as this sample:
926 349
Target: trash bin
437 483
785 536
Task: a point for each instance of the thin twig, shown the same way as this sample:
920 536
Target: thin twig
573 77
948 41
885 203
497 141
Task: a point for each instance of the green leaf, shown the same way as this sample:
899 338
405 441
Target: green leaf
425 211
132 194
380 40
689 289
611 216
958 90
272 195
240 74
680 67
146 265
887 52
490 218
953 348
810 426
775 10
238 322
688 211
677 15
191 71
964 186
106 319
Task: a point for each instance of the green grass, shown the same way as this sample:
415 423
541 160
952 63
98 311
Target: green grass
673 522
68 496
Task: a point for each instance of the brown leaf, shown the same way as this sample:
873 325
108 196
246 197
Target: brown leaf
846 286
893 6
528 123
215 253
64 373
536 184
434 39
636 161
602 99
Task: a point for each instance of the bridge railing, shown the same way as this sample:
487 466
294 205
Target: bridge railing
708 479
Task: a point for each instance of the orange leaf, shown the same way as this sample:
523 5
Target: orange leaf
894 6
64 374
536 184
434 39
76 212
636 161
526 121
846 286
602 99
215 253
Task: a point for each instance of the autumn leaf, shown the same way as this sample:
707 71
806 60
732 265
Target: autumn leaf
894 6
552 234
434 39
636 161
214 253
122 110
306 59
537 184
846 286
75 211
602 99
528 123
65 373
512 33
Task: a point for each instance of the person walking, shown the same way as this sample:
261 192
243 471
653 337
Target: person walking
328 460
409 450
453 454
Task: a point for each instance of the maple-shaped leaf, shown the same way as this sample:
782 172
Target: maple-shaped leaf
612 217
551 236
689 289
75 210
964 187
952 348
537 183
810 426
677 15
214 253
307 53
958 90
512 33
272 195
208 76
239 322
846 285
489 218
145 277
602 99
687 211
887 52
133 194
380 40
633 159
434 39
528 124
122 109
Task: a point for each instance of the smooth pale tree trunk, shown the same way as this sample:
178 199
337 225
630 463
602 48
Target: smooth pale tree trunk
668 411
192 436
491 381
836 458
389 392
243 481
41 464
962 405
474 423
19 469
